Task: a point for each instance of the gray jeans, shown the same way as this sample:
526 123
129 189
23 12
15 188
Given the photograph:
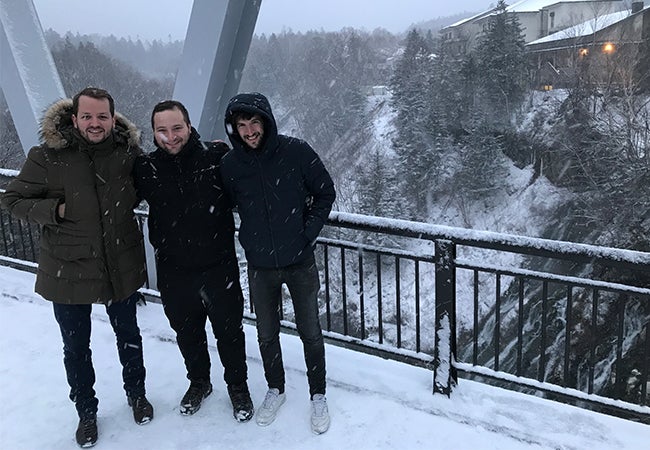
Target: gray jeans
266 294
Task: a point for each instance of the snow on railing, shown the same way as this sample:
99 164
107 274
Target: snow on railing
402 298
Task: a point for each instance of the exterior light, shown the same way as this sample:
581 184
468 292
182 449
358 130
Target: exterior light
609 48
583 52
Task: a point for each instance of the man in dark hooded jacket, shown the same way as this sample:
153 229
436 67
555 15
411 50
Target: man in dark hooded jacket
77 185
192 229
284 194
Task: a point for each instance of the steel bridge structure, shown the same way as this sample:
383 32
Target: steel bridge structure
565 320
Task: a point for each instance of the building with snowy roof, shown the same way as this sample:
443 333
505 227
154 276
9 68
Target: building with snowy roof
605 49
538 18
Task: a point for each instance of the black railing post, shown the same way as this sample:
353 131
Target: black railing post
444 372
326 265
621 304
645 379
4 216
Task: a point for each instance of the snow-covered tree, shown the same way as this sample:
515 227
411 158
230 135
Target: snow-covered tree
378 187
414 144
502 65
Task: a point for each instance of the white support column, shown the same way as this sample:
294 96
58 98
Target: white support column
28 77
216 46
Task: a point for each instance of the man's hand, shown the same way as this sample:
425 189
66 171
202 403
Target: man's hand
61 210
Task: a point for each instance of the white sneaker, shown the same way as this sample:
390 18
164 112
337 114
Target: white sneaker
267 413
320 417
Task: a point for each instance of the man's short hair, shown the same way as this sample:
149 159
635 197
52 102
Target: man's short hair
166 105
96 93
242 115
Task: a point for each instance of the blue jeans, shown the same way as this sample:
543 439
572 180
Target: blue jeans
74 322
266 293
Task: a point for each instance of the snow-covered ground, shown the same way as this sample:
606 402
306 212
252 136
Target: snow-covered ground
374 403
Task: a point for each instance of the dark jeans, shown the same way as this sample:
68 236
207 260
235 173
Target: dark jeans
190 297
74 322
266 293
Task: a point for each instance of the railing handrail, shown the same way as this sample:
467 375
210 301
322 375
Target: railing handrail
439 251
489 239
476 238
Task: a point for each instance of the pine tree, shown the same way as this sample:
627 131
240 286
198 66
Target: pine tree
482 162
411 98
450 97
378 194
501 61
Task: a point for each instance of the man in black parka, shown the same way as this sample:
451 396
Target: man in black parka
284 194
192 229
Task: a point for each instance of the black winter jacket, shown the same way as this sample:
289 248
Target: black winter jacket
282 190
190 219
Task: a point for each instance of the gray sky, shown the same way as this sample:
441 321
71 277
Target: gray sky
159 19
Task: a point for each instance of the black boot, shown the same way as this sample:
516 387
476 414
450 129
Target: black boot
87 432
192 399
142 409
242 405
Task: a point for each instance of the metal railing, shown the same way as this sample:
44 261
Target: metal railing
569 321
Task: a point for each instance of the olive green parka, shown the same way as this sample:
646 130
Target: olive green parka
95 254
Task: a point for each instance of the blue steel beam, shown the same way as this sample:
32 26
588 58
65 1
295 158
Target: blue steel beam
28 77
216 46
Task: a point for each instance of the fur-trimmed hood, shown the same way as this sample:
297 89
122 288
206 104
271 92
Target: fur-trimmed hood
57 128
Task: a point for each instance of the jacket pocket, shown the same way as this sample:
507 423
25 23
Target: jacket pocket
130 252
72 252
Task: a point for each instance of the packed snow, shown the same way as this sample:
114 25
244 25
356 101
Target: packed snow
374 403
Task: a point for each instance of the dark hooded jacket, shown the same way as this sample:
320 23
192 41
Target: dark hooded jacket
282 190
95 253
190 218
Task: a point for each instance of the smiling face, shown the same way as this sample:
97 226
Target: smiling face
170 130
251 131
94 119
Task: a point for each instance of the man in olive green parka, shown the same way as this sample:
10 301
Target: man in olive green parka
77 186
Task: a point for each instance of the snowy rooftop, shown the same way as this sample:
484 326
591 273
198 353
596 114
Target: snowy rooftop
585 28
520 7
468 19
374 403
535 5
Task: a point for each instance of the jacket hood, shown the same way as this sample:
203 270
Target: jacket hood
57 129
252 103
